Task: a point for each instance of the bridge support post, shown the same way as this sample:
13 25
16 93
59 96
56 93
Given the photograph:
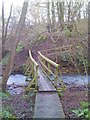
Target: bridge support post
36 80
49 69
56 79
44 64
32 70
33 85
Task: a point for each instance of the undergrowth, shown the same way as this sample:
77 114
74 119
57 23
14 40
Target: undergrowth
83 111
4 111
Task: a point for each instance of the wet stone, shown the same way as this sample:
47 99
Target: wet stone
14 91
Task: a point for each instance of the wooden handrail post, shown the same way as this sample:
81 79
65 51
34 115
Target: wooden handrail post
44 64
36 81
49 68
33 85
32 70
56 79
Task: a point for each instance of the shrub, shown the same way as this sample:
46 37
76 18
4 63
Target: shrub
67 32
83 111
65 57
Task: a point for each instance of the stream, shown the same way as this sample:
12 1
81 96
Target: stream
16 83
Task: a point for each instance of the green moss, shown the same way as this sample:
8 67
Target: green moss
4 60
4 113
4 95
67 32
19 47
5 110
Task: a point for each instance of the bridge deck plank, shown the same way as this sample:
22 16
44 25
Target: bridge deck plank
44 83
47 104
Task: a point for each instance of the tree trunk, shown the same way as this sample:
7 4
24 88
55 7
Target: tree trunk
9 66
53 16
6 29
69 10
48 12
3 23
58 12
61 6
48 17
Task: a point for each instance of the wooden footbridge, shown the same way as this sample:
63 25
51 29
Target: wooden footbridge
47 103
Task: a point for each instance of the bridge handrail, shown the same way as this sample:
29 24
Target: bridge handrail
30 55
33 72
48 60
44 59
57 49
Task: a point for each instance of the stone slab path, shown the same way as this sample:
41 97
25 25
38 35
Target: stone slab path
48 105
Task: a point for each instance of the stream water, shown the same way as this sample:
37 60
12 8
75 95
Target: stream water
76 79
16 83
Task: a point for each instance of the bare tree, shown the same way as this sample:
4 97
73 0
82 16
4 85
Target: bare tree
53 15
69 10
3 22
48 16
15 41
58 11
74 12
5 28
61 9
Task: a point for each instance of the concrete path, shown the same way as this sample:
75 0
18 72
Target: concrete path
48 105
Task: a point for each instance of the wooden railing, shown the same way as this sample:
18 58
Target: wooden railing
50 68
57 50
33 67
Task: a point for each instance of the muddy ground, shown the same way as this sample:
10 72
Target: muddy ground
20 106
72 98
